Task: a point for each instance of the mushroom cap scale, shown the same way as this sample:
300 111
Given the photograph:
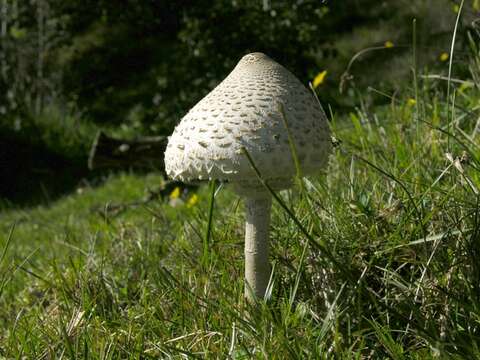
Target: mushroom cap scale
243 111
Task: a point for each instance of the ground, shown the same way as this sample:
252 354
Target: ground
376 256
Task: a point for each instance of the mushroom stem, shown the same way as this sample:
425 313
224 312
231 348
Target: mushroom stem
257 267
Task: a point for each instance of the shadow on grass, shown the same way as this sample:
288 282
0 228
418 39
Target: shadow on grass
32 174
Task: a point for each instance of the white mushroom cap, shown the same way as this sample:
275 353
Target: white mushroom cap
243 111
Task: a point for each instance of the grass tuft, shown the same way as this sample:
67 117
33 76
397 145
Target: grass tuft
375 258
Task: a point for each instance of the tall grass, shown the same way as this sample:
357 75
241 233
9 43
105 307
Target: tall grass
395 274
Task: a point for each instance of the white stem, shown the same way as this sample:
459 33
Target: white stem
257 268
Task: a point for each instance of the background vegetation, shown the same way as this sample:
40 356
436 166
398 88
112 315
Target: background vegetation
133 68
93 265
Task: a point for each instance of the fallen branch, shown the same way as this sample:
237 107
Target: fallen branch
108 152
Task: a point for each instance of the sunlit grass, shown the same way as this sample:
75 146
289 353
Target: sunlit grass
397 212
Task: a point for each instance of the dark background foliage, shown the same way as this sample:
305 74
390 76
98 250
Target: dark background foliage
134 68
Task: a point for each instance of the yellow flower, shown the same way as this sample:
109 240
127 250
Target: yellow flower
388 44
175 194
411 102
319 79
444 56
192 201
456 8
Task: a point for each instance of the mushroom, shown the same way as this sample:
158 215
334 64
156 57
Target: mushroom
242 115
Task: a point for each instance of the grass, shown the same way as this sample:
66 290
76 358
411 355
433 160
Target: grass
398 217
